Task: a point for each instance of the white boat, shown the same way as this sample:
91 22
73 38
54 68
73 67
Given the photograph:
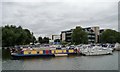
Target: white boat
95 50
117 47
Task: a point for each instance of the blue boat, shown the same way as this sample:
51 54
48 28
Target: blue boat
39 52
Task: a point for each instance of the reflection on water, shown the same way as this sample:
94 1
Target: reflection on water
106 62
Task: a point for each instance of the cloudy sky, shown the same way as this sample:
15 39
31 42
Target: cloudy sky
47 17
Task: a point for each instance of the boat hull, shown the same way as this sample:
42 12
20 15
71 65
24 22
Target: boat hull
15 57
42 55
31 55
97 53
61 55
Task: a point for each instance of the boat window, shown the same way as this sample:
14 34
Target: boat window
37 52
29 52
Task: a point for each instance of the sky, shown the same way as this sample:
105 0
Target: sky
49 17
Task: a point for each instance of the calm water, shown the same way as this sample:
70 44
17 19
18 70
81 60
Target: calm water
106 62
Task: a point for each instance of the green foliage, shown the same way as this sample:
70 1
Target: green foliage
118 37
110 36
0 36
43 40
57 40
79 36
40 40
12 35
64 42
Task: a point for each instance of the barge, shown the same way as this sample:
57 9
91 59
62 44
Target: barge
40 52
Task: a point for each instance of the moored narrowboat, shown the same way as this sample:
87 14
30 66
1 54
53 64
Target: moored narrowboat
40 52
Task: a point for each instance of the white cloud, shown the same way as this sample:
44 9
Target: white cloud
68 1
53 16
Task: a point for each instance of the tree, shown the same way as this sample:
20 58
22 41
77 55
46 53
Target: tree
12 35
64 42
118 37
79 36
45 40
40 40
0 36
57 40
34 40
29 36
109 36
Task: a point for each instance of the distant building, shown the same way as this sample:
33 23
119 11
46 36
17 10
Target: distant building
93 34
54 37
102 30
96 31
66 35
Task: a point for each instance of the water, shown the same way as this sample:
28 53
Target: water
106 62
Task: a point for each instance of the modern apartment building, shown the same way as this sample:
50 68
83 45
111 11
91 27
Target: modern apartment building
93 34
66 35
54 37
101 30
